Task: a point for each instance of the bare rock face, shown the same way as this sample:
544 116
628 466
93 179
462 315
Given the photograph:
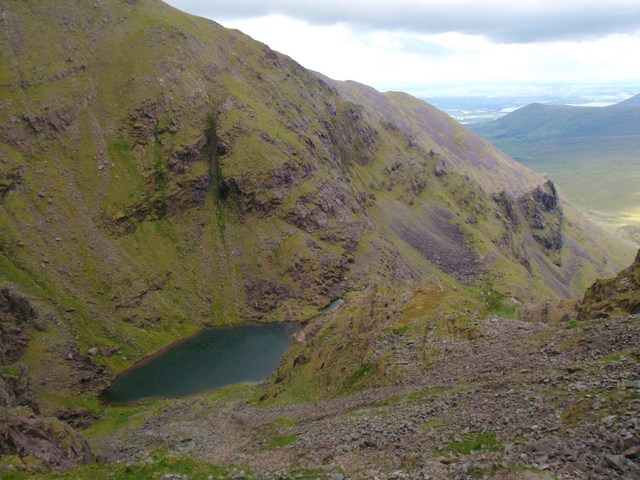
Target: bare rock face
10 180
544 213
13 342
17 390
53 442
17 305
547 197
23 431
614 296
16 312
79 418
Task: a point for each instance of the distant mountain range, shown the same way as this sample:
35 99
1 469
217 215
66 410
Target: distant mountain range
473 109
537 122
630 102
592 153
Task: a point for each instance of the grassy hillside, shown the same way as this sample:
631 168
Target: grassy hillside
614 297
592 153
203 178
160 173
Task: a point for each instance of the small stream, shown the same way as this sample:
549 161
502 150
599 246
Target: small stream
211 359
333 306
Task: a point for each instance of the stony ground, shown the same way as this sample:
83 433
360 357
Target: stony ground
519 400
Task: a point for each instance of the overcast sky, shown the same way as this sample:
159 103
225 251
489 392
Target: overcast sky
434 46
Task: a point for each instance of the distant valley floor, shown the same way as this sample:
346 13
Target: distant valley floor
603 182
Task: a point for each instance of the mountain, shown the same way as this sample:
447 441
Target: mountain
630 102
160 173
546 122
591 152
467 154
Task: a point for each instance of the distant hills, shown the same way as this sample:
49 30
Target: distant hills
538 122
633 101
592 153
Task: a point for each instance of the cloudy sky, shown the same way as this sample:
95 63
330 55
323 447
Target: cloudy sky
430 47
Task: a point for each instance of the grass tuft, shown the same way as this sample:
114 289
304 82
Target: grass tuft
479 442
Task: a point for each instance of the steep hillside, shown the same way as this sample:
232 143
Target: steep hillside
591 152
614 297
633 101
468 154
161 173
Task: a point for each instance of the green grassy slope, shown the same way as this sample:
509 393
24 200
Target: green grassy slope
435 130
592 153
160 173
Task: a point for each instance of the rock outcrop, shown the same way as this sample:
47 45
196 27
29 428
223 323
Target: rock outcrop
48 440
16 314
619 296
24 432
544 214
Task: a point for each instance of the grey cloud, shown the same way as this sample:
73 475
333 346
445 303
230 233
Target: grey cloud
499 21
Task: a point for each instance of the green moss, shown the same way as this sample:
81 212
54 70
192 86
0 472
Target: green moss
435 423
277 433
230 394
495 302
388 402
283 422
91 403
279 441
611 358
326 332
358 376
479 442
7 74
397 330
572 414
113 419
9 370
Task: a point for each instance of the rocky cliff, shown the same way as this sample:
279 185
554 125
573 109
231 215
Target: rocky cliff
613 297
160 173
28 438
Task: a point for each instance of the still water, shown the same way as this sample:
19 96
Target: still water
213 358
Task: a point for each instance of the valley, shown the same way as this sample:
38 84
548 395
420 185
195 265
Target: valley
592 153
161 176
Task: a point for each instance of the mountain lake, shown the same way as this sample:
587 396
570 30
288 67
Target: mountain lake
211 359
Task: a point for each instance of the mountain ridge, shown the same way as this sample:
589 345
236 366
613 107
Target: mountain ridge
632 101
136 187
160 174
478 160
